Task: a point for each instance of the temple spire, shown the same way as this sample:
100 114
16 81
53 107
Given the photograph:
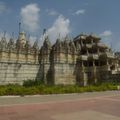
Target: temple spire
12 35
19 27
4 34
44 31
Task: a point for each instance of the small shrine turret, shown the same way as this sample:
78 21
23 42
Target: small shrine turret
3 43
11 44
21 41
58 47
35 46
72 47
66 45
45 50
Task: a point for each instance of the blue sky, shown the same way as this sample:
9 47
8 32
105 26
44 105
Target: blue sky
63 16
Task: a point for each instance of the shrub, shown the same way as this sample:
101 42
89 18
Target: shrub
32 88
29 83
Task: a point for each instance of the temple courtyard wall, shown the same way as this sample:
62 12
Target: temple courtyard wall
18 67
17 72
65 74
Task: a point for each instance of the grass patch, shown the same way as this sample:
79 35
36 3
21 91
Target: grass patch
28 89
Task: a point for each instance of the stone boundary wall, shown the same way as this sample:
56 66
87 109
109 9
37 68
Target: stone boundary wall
18 72
65 74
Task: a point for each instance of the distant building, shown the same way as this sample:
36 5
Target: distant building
83 61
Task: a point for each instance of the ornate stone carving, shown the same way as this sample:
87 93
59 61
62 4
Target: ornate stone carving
58 45
35 45
72 47
3 43
18 45
66 45
27 45
11 44
45 49
47 43
78 47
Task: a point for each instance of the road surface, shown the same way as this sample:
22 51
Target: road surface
84 106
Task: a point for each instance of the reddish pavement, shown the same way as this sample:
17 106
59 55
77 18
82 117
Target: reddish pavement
106 107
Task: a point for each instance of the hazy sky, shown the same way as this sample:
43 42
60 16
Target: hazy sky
72 17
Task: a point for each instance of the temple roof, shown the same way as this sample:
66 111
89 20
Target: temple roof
86 37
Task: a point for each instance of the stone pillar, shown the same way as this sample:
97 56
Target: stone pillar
94 72
98 51
92 41
81 42
93 63
108 65
82 64
83 81
87 52
107 62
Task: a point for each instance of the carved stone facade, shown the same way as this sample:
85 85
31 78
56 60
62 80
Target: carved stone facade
20 52
83 60
18 60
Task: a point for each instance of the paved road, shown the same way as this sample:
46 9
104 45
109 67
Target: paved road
85 106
